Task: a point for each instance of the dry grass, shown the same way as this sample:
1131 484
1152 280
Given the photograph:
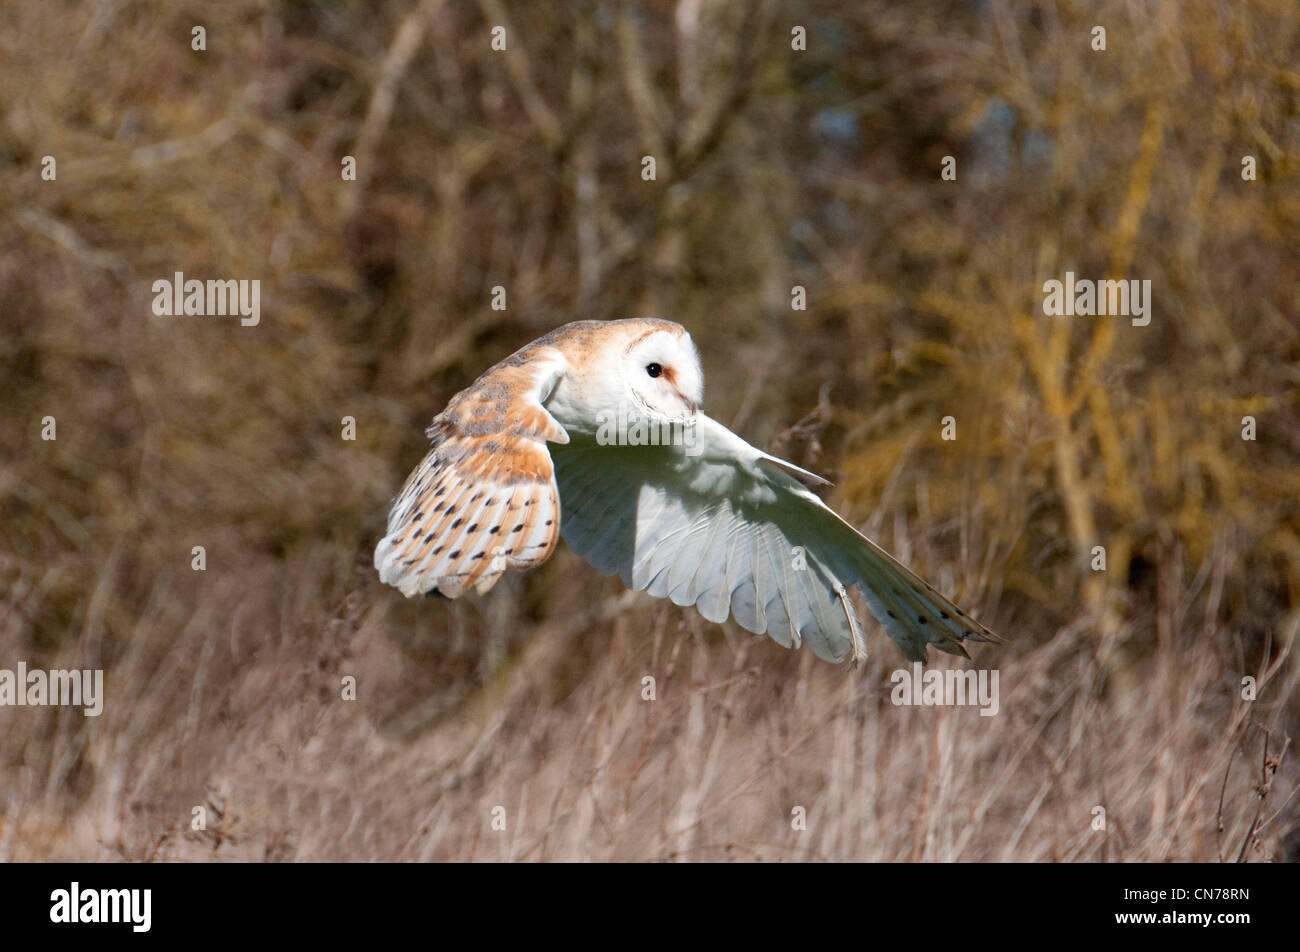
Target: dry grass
1119 689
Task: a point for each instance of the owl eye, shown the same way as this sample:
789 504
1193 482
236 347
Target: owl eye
654 370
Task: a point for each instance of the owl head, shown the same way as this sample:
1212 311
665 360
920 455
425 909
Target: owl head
662 372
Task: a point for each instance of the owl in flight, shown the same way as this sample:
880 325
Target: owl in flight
594 432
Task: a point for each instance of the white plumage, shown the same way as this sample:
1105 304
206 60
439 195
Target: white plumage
554 438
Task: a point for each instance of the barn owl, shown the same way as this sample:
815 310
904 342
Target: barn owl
594 432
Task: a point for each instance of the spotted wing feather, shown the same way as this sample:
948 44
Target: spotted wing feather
483 500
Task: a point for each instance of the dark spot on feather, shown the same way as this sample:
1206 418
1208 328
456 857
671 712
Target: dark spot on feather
549 521
452 509
432 533
517 528
437 550
454 555
456 523
921 619
943 614
494 529
891 614
479 556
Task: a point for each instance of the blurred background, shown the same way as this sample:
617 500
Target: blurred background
1120 688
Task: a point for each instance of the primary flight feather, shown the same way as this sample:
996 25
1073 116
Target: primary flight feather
594 432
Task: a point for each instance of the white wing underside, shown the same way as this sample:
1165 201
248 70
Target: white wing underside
731 531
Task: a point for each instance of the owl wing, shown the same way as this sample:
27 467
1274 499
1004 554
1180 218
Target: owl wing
716 523
483 500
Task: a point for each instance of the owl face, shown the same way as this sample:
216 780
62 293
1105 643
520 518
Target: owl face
662 371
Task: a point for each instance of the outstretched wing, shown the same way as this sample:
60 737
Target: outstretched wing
484 498
715 523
